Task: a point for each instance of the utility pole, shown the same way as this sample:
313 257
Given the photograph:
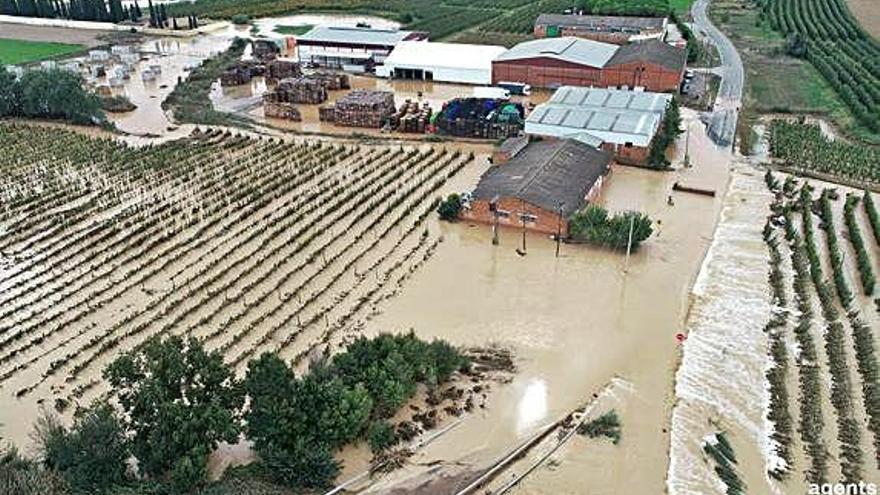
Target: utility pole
493 206
522 217
632 221
559 227
687 147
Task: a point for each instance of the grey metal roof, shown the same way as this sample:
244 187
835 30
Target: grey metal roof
546 173
570 49
601 22
363 36
584 119
610 98
654 51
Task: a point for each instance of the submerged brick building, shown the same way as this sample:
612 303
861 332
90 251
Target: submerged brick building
541 186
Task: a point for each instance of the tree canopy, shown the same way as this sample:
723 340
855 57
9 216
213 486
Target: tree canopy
50 94
179 401
593 225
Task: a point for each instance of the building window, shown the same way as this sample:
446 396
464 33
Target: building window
503 214
627 145
528 218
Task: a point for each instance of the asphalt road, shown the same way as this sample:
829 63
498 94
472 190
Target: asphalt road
722 121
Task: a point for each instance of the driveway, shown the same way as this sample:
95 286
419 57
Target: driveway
722 121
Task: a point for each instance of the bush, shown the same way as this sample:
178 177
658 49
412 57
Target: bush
450 208
380 436
172 435
593 225
606 425
240 19
22 476
92 455
48 94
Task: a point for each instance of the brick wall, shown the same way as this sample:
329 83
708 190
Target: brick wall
543 72
632 155
544 221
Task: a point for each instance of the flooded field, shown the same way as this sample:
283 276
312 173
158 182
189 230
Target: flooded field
248 245
575 323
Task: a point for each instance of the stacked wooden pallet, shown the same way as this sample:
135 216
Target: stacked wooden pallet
411 118
281 110
242 73
276 70
300 90
333 81
327 113
363 108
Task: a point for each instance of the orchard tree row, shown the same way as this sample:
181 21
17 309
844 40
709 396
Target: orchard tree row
93 10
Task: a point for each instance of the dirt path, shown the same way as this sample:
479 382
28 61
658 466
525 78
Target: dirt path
867 12
85 37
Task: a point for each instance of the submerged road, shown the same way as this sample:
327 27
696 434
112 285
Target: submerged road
722 121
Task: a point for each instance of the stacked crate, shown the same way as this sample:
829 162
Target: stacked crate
481 118
333 81
300 90
327 113
363 108
281 110
276 70
241 73
411 118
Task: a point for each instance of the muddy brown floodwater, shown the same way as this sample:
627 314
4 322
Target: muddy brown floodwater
574 323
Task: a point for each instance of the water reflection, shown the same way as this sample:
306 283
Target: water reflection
532 406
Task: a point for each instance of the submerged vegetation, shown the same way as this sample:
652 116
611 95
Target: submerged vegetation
593 225
48 94
718 448
190 100
606 425
177 401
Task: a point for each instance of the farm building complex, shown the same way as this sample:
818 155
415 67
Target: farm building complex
351 48
446 62
624 121
555 62
609 29
542 185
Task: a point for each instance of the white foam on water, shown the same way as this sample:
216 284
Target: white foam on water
722 372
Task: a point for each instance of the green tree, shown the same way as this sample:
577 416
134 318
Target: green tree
9 7
21 476
593 225
10 93
92 455
57 94
180 402
381 436
450 208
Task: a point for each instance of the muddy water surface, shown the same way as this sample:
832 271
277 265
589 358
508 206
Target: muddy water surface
575 323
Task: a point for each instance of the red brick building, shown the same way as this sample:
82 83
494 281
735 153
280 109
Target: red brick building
570 61
540 187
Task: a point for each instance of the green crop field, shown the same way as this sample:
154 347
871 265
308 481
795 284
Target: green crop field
294 30
20 51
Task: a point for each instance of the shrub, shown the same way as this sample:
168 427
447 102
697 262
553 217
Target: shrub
92 455
606 425
179 402
450 208
593 225
240 19
380 436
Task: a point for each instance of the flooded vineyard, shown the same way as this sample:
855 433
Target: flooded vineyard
781 353
249 245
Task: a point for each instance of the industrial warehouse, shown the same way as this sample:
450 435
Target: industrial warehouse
444 62
609 29
353 49
624 121
553 62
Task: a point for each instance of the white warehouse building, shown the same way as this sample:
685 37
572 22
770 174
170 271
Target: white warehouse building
445 62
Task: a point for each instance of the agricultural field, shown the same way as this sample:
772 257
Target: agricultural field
249 245
823 256
453 19
789 66
803 148
14 51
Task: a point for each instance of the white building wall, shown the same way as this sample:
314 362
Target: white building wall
443 74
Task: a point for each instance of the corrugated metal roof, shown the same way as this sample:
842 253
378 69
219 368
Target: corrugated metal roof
611 98
455 55
569 49
547 173
365 36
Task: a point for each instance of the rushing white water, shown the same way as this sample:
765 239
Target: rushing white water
720 382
